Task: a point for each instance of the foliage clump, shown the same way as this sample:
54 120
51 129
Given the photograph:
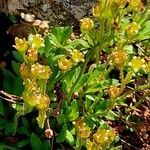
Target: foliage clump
71 81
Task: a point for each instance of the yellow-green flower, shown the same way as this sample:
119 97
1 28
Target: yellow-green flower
82 130
36 41
21 44
77 56
43 102
103 137
64 63
132 29
30 98
41 72
119 57
137 63
86 24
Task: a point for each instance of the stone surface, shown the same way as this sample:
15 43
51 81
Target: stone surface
66 12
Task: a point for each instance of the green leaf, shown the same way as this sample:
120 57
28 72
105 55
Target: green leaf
2 112
23 143
61 119
17 56
16 67
62 33
73 111
12 83
3 123
25 123
13 18
36 143
48 45
90 97
47 145
82 82
110 115
61 136
78 42
69 137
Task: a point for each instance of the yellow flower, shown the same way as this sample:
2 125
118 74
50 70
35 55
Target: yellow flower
21 44
86 24
119 57
77 56
132 29
137 63
64 63
36 41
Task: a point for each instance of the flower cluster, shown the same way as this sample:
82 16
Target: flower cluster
34 75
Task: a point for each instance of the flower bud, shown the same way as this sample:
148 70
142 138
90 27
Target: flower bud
49 133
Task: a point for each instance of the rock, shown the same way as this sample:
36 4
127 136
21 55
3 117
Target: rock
58 12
